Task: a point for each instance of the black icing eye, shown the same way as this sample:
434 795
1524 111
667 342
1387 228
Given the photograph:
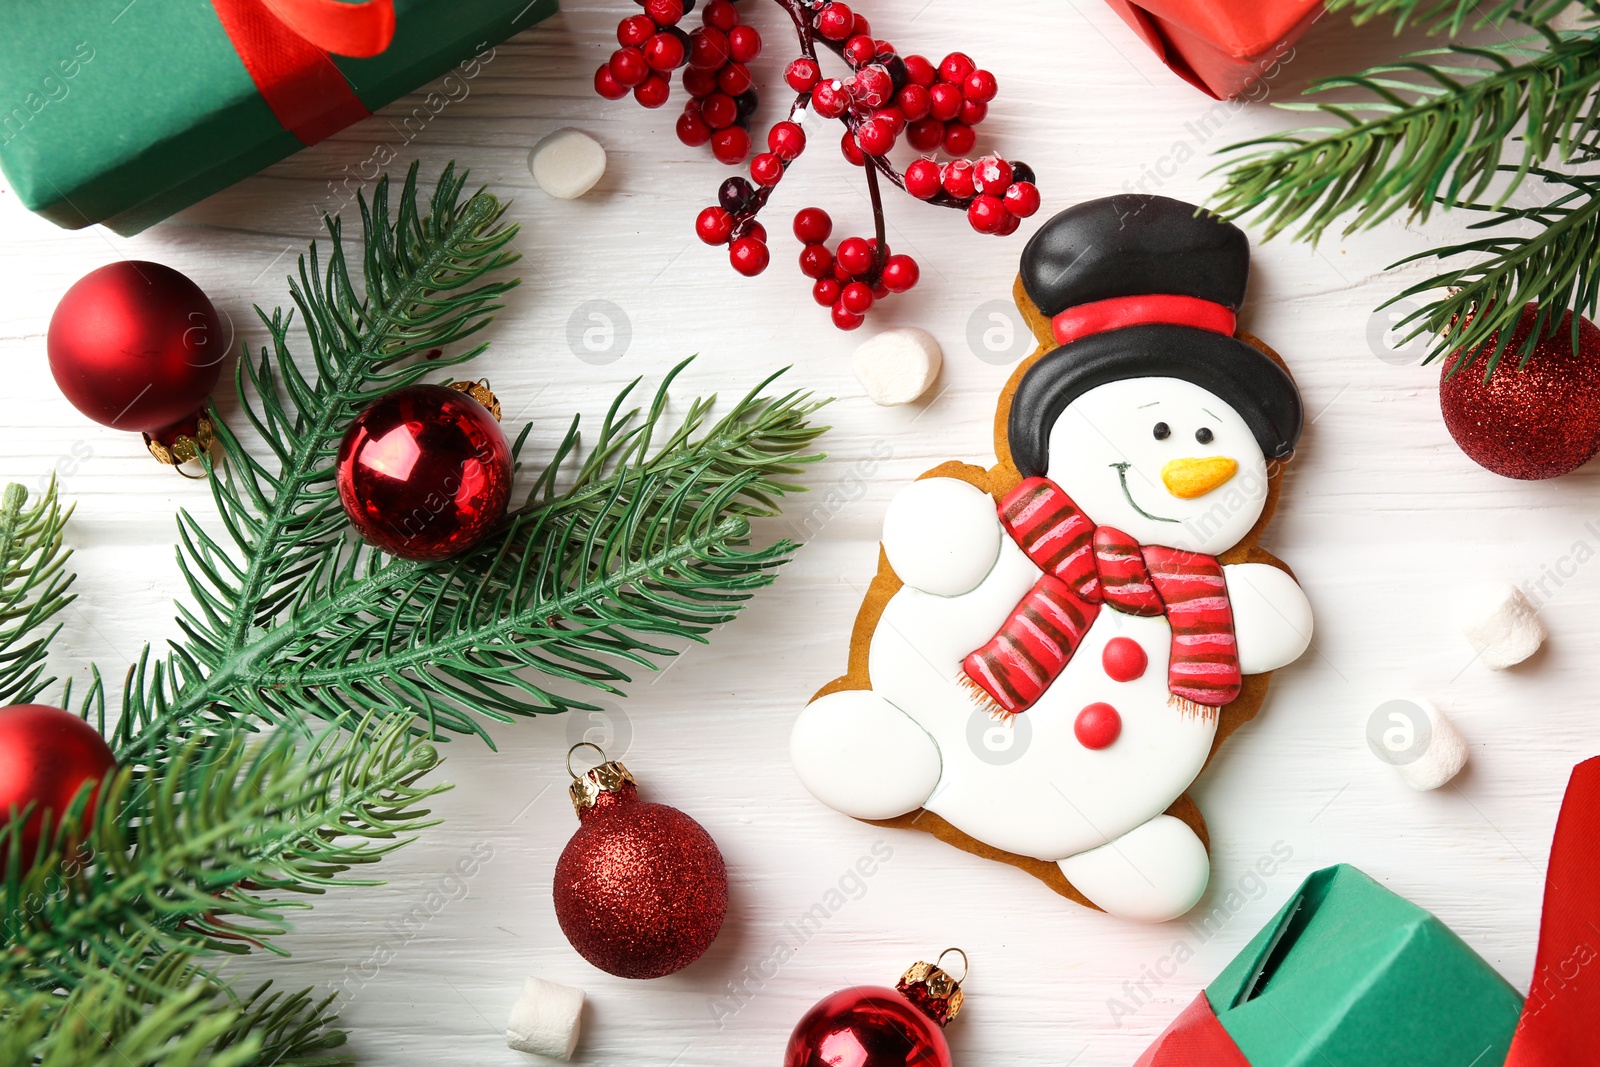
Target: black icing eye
1161 431
1204 435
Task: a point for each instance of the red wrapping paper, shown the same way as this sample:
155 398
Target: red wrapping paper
1219 46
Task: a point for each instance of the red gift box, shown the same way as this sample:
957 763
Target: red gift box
1219 46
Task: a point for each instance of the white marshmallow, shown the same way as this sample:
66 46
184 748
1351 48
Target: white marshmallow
1412 735
1502 625
545 1020
898 365
567 163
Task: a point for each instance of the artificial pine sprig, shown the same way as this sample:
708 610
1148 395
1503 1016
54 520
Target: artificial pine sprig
1434 131
201 840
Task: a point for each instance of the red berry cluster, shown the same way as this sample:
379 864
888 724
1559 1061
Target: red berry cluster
722 94
853 276
883 98
998 195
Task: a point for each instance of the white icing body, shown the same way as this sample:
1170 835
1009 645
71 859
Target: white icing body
919 738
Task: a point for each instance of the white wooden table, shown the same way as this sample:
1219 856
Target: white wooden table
1381 516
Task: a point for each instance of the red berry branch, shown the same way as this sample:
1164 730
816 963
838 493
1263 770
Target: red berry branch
883 97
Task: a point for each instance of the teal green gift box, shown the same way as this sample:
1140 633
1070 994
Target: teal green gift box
1350 975
123 113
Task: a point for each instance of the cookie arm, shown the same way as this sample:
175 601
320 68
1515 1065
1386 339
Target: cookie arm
1271 616
942 536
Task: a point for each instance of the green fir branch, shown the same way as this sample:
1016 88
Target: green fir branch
1454 17
34 587
1482 299
1430 135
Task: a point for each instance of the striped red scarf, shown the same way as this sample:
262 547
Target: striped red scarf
1086 566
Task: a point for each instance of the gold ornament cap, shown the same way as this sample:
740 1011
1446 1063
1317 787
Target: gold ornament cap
184 447
587 788
933 989
479 391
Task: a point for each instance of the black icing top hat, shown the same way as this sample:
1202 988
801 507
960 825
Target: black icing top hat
1143 286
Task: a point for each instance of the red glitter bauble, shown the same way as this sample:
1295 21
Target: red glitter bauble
640 890
874 1026
136 346
46 755
1539 421
425 472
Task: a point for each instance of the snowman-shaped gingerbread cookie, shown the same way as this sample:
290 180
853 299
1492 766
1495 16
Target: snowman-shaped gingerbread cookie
1054 647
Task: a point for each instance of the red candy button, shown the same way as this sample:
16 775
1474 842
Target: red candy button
1098 725
1124 660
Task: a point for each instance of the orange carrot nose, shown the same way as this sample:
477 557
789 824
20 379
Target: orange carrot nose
1189 478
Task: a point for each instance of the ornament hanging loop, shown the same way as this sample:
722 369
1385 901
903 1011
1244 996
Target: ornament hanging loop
583 744
965 966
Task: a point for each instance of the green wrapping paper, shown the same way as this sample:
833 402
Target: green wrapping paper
1348 973
124 113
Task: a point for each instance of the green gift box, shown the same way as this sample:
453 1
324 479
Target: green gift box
124 112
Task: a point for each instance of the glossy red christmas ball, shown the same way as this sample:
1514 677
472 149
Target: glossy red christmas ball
1539 421
425 472
874 1026
136 346
46 756
641 889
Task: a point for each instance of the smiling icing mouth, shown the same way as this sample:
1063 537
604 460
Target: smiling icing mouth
1122 476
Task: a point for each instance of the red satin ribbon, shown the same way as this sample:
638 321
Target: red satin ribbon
1562 1015
1195 1038
284 45
1119 312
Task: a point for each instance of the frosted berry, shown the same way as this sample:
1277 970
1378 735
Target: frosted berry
854 255
816 261
653 92
786 140
692 129
829 99
628 67
987 214
859 50
959 139
664 12
720 14
812 225
708 48
744 43
635 30
980 87
826 291
735 79
876 137
957 179
955 67
606 84
836 22
921 72
714 226
731 145
914 102
766 168
925 136
1022 199
923 179
803 74
857 297
699 81
872 86
991 175
852 149
719 111
749 256
944 102
900 273
844 318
